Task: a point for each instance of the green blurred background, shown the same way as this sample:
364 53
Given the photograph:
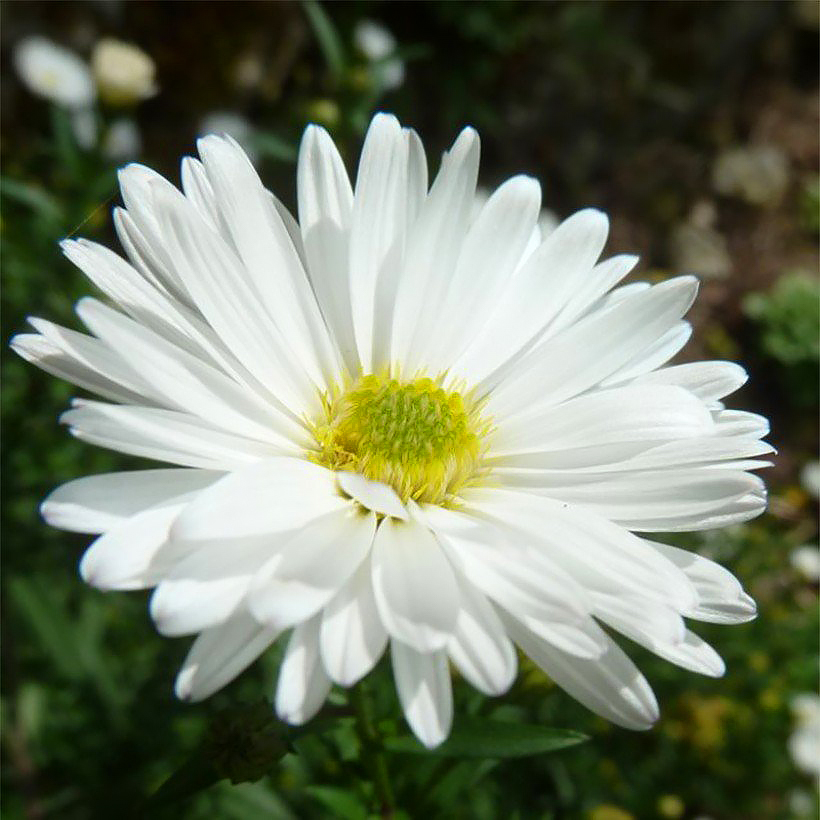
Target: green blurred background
693 124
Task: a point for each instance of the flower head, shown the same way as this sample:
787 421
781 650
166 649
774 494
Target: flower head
124 72
54 72
397 422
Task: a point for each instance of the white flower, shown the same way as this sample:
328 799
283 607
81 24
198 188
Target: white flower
804 743
54 72
124 72
393 424
806 560
122 140
810 478
377 44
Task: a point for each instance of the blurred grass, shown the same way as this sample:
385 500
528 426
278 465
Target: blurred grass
621 105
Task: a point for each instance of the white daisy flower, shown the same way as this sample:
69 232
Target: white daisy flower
392 423
54 72
125 74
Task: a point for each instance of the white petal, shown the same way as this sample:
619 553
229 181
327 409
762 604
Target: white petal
311 567
186 382
491 252
721 598
325 207
373 495
709 381
185 606
99 357
270 260
271 496
537 292
164 435
642 501
607 417
611 686
352 637
303 684
740 423
423 686
50 357
497 561
593 348
122 557
99 503
694 654
218 655
377 235
654 355
646 621
432 249
416 591
223 291
480 647
598 554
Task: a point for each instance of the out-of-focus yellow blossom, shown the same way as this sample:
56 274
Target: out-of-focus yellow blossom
125 74
607 811
671 806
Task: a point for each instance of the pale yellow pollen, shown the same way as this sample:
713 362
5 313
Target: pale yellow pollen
424 441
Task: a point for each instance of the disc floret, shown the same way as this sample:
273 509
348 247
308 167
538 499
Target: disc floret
423 440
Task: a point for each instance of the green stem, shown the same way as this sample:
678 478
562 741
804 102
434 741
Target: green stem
372 749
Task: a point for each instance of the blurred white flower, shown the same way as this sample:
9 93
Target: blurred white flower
373 40
810 478
757 174
54 72
122 141
232 124
125 74
804 743
696 247
378 44
806 560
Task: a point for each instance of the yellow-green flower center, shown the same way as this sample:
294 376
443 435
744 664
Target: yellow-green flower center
426 442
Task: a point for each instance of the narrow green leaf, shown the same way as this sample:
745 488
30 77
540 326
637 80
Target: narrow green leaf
326 34
194 776
474 737
32 196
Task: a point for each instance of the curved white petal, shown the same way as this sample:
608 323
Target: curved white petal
303 684
416 591
593 348
122 557
99 503
352 637
425 693
479 647
218 655
325 208
373 495
537 292
490 254
611 686
164 435
311 567
377 235
271 496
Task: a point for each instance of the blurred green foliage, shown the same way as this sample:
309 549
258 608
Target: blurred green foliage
618 104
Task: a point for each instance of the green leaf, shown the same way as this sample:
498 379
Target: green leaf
475 737
195 775
328 37
32 196
338 802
